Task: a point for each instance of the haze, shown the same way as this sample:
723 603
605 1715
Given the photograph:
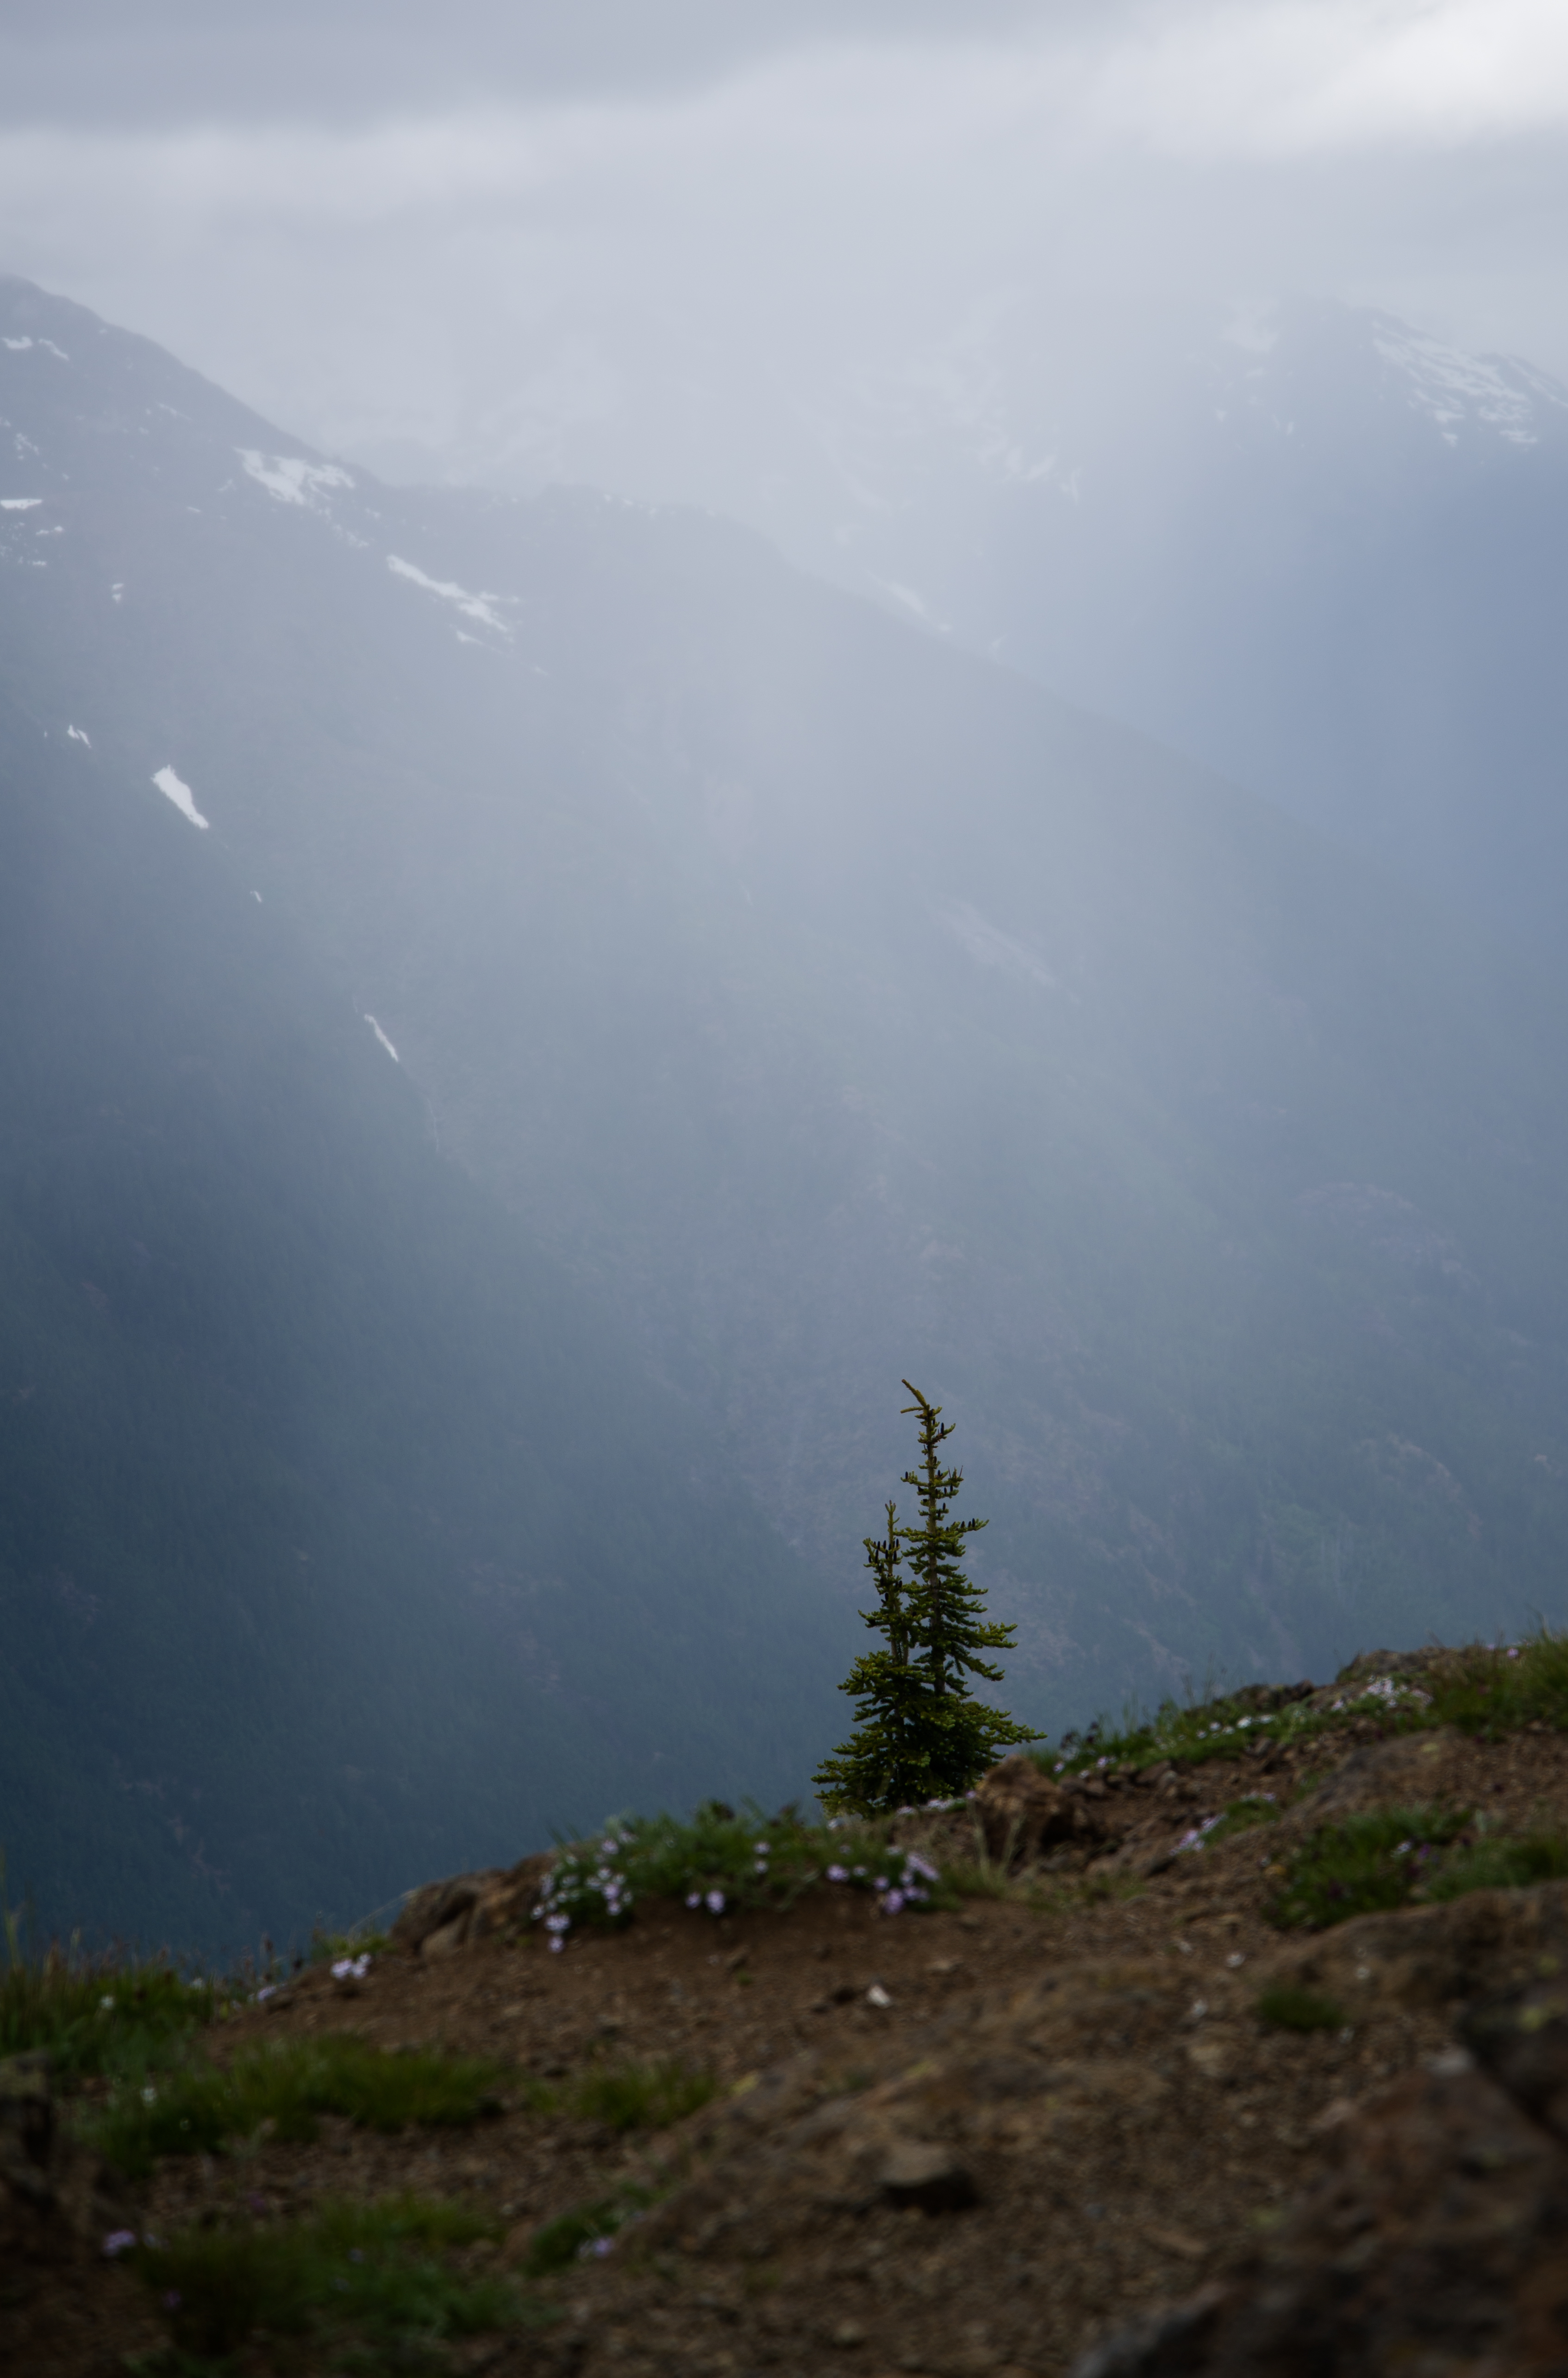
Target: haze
680 251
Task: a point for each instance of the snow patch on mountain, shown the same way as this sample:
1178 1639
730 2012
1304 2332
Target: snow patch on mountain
20 503
989 947
175 789
290 478
1455 390
473 607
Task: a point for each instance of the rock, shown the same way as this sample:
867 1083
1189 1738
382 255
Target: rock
916 2171
1482 1945
441 1917
27 2127
1521 2037
1438 2245
1171 2342
1024 1812
54 2197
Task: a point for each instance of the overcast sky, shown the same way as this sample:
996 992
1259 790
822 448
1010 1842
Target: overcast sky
654 241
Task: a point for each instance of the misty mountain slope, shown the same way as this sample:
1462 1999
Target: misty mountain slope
847 1009
335 1534
1322 552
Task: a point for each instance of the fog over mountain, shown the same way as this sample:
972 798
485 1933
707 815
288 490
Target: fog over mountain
1161 348
703 706
812 1003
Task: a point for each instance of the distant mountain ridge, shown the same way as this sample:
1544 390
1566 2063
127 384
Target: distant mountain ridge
1321 551
832 1008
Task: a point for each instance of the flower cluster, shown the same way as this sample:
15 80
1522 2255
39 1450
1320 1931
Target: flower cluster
911 1887
586 1882
1391 1691
351 1969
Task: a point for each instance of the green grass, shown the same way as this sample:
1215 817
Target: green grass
1494 1693
646 2096
101 2015
375 2274
587 2229
1482 1689
1376 1860
326 1948
1241 1815
1496 1863
1230 1723
721 1863
1289 2007
200 2106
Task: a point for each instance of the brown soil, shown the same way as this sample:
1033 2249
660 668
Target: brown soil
1090 2074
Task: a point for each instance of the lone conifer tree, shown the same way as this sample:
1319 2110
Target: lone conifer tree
922 1735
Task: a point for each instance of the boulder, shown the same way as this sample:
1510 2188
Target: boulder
1488 1943
1024 1813
1438 2245
441 1917
54 2196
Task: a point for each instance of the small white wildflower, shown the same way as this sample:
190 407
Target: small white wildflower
119 2241
694 1899
556 1942
150 2097
838 1874
715 1902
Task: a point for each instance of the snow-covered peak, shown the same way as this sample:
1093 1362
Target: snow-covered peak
1459 392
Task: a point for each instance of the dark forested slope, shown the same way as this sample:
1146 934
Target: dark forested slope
842 1008
335 1534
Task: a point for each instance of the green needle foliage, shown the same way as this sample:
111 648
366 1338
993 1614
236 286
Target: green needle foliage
922 1735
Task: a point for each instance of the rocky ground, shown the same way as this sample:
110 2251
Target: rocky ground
1046 2131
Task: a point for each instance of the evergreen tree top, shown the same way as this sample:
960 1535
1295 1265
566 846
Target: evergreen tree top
922 1734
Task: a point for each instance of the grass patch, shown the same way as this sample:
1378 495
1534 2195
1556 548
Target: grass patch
1496 1863
1373 1861
1493 1693
1230 1724
1290 2007
587 2229
1483 1689
721 1863
647 2096
200 2106
372 2272
330 1948
101 2015
1241 1815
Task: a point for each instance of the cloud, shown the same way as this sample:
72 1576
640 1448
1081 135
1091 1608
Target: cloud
1267 79
716 282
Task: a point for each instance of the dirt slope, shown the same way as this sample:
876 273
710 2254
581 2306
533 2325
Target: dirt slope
956 2143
